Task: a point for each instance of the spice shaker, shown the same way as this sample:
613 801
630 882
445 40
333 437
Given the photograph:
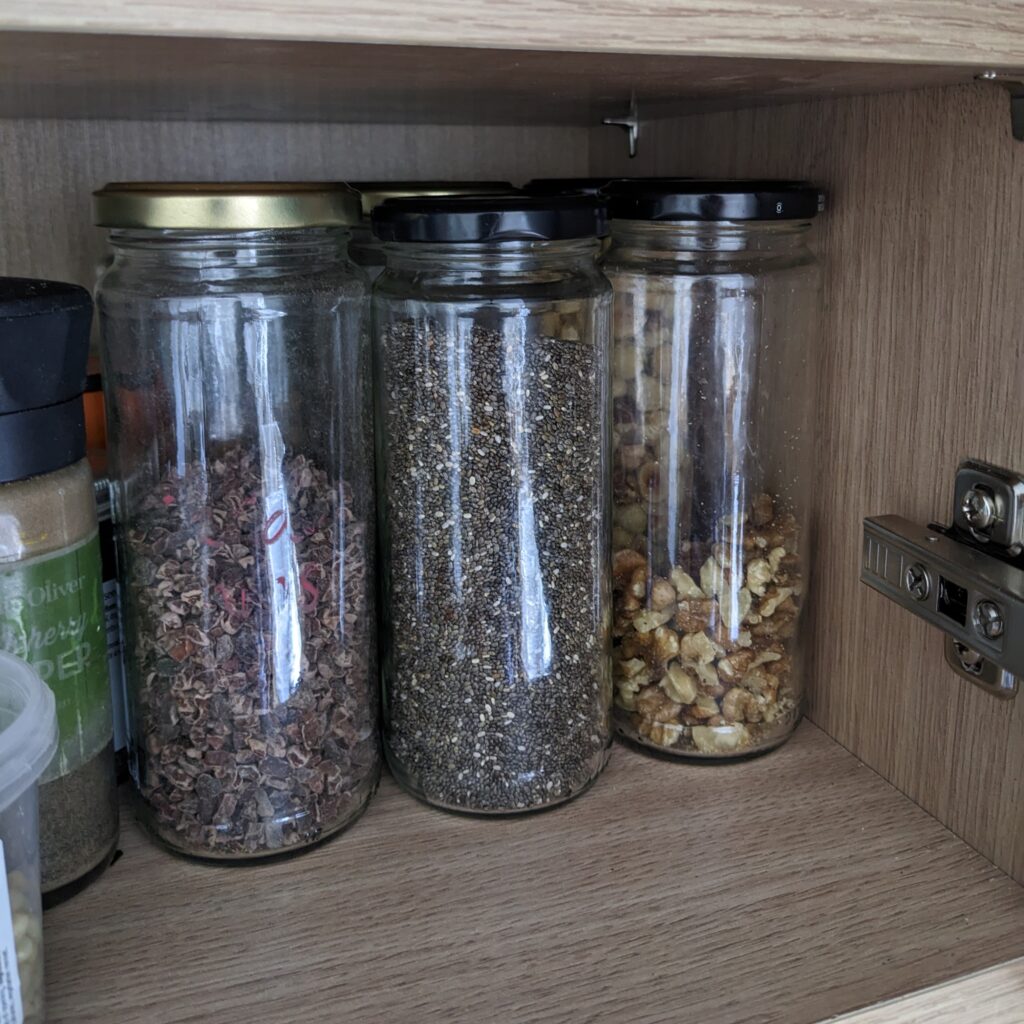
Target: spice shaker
491 335
235 344
368 251
28 740
715 337
51 605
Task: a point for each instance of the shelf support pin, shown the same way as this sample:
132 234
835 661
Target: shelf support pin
631 122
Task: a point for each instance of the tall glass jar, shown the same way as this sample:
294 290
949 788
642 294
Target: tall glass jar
368 251
715 339
235 346
491 326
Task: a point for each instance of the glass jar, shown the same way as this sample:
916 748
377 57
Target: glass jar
491 325
235 347
51 602
365 249
714 343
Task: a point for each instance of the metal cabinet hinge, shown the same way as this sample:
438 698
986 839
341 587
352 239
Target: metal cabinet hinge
967 578
631 123
1015 87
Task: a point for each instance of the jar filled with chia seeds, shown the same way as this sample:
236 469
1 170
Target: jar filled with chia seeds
491 324
235 343
714 344
51 603
366 250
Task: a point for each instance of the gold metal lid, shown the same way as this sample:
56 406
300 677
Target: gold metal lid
225 206
373 193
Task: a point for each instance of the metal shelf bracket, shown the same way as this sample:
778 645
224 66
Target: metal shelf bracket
631 122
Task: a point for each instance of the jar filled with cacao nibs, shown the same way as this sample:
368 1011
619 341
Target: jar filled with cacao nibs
714 344
491 333
236 365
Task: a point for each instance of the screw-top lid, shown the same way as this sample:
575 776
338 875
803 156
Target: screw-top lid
226 206
28 728
44 345
564 186
506 218
373 193
684 199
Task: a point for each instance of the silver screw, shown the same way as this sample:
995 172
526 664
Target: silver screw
970 660
916 580
978 508
989 619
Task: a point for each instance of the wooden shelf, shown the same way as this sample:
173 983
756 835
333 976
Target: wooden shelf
789 888
969 32
149 77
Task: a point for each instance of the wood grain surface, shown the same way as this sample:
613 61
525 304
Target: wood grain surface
46 74
970 32
783 889
923 365
49 168
994 996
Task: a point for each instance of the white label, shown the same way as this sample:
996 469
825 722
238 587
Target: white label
10 982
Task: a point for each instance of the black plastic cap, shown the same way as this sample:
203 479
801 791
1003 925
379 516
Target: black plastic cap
564 186
508 218
685 199
44 345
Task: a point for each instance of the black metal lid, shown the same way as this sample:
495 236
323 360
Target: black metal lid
490 218
44 345
563 186
373 193
686 199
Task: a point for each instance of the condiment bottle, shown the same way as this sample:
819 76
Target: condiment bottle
51 605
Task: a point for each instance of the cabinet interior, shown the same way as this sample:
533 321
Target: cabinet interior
921 363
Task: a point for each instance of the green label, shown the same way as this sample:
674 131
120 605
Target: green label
51 614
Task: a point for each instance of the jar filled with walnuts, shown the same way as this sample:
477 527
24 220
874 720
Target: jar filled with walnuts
714 340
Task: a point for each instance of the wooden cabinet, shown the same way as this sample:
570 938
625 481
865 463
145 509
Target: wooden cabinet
791 888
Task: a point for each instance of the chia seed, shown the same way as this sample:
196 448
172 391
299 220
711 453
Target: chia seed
497 683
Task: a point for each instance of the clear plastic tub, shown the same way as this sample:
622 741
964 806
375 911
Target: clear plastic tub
28 739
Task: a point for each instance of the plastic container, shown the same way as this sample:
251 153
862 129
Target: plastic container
491 324
28 739
236 365
368 251
51 604
715 342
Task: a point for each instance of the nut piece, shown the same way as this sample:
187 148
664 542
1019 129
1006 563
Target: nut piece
696 649
664 734
694 614
679 685
772 600
759 575
625 563
645 622
713 578
654 704
684 584
734 607
739 705
720 740
663 594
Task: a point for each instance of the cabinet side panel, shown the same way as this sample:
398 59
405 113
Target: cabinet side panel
922 365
